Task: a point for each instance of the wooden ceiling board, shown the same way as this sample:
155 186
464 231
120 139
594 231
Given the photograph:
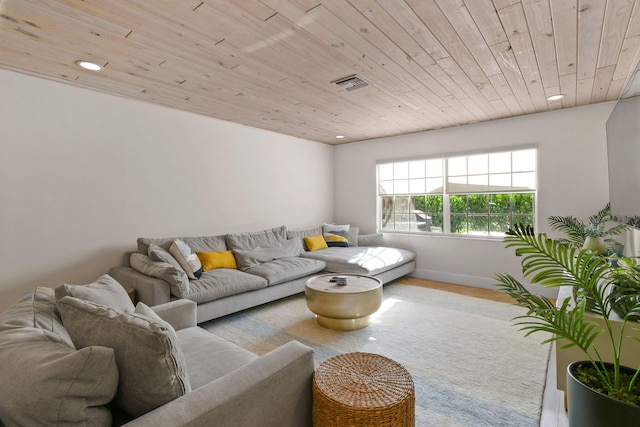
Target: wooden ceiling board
272 64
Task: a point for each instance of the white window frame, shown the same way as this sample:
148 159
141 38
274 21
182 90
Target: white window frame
531 187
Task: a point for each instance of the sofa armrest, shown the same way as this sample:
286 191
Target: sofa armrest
150 290
180 313
274 390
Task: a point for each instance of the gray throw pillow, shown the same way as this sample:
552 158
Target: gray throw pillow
176 277
105 291
45 380
152 367
180 286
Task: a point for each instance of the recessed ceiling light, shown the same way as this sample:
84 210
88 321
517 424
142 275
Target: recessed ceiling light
339 136
555 97
89 65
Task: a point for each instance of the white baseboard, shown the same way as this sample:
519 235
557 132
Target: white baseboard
476 281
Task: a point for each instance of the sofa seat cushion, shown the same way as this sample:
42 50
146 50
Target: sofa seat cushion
366 260
45 380
222 282
286 269
208 356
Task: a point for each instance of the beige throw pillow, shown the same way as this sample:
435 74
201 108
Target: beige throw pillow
152 367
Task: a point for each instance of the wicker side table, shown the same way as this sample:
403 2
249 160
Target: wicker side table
362 389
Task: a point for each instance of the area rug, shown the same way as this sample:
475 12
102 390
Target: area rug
470 365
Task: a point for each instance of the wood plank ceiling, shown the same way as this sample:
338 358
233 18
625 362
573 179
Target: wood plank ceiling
270 64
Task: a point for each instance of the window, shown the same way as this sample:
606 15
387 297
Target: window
481 194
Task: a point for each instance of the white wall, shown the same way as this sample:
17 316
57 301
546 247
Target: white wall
573 180
83 174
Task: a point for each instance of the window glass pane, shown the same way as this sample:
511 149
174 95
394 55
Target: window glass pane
434 185
501 181
499 224
401 186
478 180
457 166
458 204
478 164
524 180
478 224
385 171
385 187
499 162
524 161
522 203
387 213
500 203
402 204
401 170
434 167
478 203
416 169
459 223
417 186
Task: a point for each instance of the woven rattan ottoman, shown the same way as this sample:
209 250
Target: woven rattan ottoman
362 389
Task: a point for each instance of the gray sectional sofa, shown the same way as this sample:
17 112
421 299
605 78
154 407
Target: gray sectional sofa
269 265
84 355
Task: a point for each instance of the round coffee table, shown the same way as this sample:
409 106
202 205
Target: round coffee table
347 307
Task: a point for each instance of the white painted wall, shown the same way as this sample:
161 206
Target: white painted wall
573 180
83 174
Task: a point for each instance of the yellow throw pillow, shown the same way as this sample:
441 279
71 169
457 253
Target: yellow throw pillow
221 259
315 243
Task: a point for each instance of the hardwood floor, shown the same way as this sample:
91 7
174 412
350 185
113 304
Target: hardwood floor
553 412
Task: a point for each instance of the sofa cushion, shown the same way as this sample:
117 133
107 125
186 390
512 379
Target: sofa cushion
253 239
219 259
315 243
222 282
45 380
367 260
336 235
286 269
151 364
302 233
376 239
200 243
162 270
104 291
37 310
208 356
247 258
186 258
179 286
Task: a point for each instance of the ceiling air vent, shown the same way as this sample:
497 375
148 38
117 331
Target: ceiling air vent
351 83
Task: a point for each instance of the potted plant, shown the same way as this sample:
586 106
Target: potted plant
552 263
591 234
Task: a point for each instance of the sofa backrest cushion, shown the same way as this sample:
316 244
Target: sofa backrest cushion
152 367
247 258
200 243
254 239
179 285
45 380
104 291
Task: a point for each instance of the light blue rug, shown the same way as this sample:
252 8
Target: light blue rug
470 365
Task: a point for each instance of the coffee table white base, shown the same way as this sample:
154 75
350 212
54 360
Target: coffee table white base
343 308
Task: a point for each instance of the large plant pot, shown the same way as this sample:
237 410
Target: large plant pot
588 408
